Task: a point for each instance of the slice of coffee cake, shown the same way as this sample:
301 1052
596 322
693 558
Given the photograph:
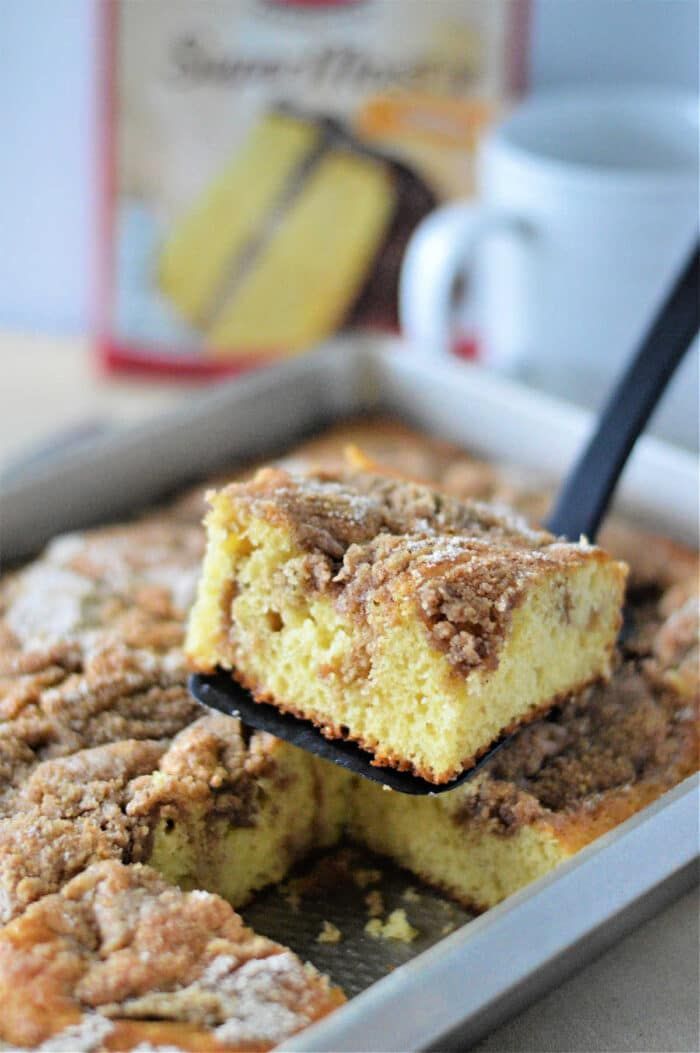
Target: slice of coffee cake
417 625
231 810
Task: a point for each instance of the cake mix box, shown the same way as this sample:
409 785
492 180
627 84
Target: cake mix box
267 161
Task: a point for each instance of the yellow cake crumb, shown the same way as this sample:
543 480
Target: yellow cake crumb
411 896
330 933
364 876
293 900
396 927
375 903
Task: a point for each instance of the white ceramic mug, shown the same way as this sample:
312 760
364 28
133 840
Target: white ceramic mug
588 204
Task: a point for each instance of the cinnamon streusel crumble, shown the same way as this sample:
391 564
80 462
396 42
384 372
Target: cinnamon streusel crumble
120 952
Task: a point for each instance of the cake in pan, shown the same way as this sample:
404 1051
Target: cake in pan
422 627
116 788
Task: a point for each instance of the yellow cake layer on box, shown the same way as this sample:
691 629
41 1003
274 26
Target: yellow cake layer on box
310 271
196 258
275 251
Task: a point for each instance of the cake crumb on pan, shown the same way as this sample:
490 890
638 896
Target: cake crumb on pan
396 927
364 876
411 895
375 903
330 933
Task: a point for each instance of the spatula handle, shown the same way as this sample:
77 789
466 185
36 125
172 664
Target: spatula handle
586 493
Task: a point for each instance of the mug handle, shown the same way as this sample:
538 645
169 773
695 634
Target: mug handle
441 248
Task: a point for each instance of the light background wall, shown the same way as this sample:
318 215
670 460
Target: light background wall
47 124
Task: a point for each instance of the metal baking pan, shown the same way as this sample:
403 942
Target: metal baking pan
489 967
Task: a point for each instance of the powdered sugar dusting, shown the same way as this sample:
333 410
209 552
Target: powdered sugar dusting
83 579
84 1037
351 504
217 969
52 604
270 1000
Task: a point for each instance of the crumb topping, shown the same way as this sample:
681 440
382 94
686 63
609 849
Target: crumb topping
363 877
370 537
211 764
466 588
616 736
92 688
101 579
122 942
374 902
640 728
69 813
331 511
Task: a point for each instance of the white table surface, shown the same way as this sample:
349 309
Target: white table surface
640 996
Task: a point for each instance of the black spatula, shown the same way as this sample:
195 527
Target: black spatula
581 505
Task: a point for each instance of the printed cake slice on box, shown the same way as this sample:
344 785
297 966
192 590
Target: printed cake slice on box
421 627
276 253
